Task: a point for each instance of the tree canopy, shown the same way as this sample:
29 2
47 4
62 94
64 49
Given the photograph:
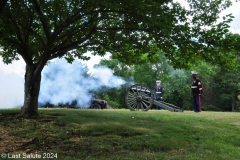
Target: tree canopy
43 30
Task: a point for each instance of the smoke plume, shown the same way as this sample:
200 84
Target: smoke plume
12 89
63 83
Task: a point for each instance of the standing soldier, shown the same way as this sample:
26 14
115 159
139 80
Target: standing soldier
196 92
158 92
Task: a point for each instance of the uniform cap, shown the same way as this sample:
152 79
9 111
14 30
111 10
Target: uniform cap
158 81
194 72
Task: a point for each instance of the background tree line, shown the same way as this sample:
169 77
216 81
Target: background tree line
219 84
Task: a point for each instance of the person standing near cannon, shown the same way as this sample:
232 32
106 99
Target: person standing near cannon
158 93
196 92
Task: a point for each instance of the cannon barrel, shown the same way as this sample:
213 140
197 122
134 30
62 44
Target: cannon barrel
168 106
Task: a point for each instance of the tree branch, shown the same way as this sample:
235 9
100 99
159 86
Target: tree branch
63 52
63 49
25 56
41 63
29 24
44 21
39 37
67 22
74 30
16 27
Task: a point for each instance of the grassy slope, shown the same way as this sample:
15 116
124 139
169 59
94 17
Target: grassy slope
123 134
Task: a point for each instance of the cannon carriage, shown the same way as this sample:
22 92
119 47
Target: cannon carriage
140 97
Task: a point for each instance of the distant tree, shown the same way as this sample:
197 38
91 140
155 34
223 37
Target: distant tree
226 84
148 73
41 30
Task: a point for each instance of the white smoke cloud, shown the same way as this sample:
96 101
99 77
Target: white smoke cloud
12 89
106 78
63 83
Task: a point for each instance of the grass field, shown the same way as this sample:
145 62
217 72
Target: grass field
121 135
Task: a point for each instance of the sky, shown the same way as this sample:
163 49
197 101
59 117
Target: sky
12 75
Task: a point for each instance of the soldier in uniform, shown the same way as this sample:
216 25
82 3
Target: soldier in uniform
158 92
196 91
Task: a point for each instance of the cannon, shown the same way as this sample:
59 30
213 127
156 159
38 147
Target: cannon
139 96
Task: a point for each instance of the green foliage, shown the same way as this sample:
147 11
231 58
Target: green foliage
219 85
177 89
132 31
112 102
226 84
148 73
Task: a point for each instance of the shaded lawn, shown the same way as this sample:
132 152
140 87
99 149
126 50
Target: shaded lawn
125 134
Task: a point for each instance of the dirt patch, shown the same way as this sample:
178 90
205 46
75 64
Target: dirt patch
10 143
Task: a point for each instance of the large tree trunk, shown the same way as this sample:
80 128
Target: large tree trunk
31 91
2 4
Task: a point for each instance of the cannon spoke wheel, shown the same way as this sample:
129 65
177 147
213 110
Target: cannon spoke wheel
138 97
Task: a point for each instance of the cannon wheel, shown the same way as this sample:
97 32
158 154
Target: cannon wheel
138 97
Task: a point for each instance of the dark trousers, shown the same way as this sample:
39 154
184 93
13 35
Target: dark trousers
158 107
197 103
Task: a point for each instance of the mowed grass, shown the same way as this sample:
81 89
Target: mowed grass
128 135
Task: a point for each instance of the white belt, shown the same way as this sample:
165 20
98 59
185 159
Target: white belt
193 86
158 92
